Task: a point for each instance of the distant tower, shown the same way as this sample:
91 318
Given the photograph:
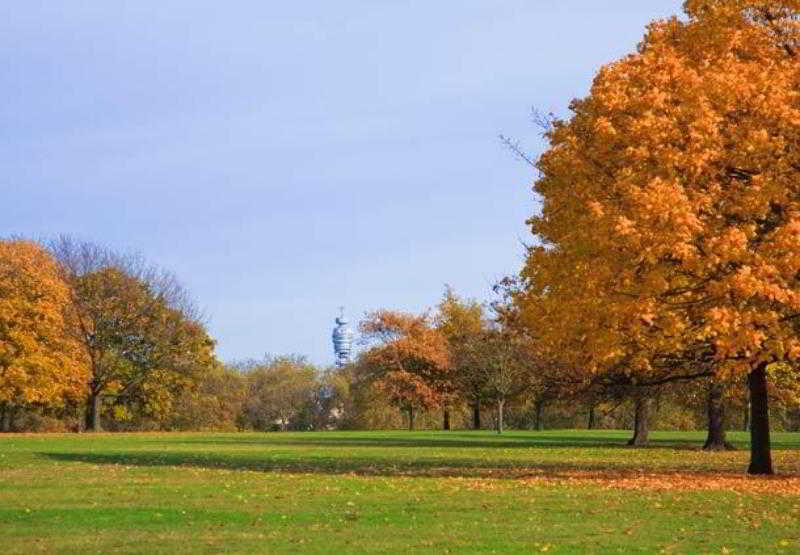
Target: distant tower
343 340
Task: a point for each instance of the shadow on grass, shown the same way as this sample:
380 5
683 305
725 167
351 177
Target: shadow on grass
439 467
465 467
462 441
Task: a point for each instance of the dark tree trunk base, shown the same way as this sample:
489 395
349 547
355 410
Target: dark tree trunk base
641 428
5 421
93 414
637 441
446 423
476 417
760 450
538 423
715 441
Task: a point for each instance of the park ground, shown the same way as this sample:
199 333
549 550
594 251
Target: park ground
432 492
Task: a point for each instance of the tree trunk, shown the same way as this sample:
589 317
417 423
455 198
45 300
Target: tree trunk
716 420
500 404
93 413
592 424
13 412
538 424
411 418
476 416
760 454
446 423
5 418
641 428
746 413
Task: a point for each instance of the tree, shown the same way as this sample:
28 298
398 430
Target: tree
136 324
212 401
505 364
176 360
39 362
463 323
279 390
670 225
358 402
715 409
409 360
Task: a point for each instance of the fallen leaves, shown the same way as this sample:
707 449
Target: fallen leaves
668 481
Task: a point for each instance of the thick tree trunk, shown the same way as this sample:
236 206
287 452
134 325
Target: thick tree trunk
760 453
93 413
746 413
476 416
716 420
538 423
446 418
411 418
10 416
641 423
5 418
500 405
592 423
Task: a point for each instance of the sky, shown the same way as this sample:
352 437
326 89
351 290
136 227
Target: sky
286 158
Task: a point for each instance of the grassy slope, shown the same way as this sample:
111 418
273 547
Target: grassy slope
558 491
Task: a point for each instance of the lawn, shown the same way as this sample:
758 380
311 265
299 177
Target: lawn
556 491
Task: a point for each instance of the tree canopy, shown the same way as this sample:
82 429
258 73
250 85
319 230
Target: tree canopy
39 362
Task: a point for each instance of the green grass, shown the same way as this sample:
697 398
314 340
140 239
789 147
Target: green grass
556 491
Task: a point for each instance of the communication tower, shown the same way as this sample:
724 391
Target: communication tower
343 337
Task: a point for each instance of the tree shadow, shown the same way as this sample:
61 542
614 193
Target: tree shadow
453 467
455 440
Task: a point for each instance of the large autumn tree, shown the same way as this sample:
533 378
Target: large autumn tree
40 363
141 334
670 223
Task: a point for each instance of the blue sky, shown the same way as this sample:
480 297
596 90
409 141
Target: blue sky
285 158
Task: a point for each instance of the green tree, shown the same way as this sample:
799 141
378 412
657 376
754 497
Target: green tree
143 337
463 323
280 391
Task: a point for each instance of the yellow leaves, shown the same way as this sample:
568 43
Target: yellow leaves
596 209
624 226
603 126
39 362
676 182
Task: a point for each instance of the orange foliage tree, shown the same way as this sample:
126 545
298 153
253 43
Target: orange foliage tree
410 360
39 363
670 223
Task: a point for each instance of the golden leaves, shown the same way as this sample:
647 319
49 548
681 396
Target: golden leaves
670 199
39 362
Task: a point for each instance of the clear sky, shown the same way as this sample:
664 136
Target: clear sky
285 158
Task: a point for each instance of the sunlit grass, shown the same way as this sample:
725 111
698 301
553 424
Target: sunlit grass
392 491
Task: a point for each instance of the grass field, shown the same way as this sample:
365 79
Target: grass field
556 491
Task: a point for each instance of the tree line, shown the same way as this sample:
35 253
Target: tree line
97 340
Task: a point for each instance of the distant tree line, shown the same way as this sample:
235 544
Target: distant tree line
93 340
